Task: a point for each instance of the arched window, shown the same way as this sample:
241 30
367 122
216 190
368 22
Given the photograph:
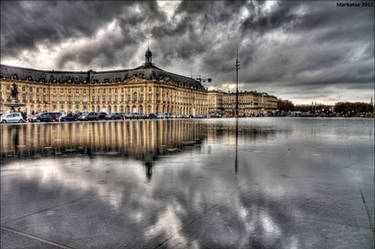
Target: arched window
115 108
127 109
122 108
109 109
134 108
149 109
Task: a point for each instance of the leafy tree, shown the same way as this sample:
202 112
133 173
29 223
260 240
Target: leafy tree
352 108
285 105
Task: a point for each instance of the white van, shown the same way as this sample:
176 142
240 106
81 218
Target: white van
12 118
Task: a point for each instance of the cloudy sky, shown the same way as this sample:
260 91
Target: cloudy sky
299 50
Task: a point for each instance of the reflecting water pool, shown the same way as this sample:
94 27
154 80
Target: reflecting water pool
251 183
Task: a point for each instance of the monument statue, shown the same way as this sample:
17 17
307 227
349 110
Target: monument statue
14 92
14 99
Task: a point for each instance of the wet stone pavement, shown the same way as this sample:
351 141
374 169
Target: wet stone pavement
261 183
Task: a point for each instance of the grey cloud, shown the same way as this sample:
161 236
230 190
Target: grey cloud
293 46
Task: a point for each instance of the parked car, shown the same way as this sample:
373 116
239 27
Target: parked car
134 115
89 116
68 117
103 115
115 116
151 115
55 115
42 117
165 115
12 118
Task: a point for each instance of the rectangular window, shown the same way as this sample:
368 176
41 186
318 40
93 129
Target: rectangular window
54 98
115 90
37 90
122 98
62 98
31 97
23 88
110 90
77 91
84 91
149 97
61 90
141 97
84 99
70 98
54 90
128 98
24 97
69 90
93 98
77 98
103 98
116 98
44 98
110 99
150 88
44 90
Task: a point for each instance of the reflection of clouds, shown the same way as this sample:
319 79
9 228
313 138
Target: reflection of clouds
193 199
169 223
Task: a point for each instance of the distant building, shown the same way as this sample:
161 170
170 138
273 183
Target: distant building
249 102
145 89
215 101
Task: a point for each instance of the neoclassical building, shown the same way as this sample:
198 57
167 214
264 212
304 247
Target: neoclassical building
249 102
145 89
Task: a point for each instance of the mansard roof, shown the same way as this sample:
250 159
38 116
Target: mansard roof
146 71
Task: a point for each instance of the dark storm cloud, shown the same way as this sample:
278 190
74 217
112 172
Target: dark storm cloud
285 46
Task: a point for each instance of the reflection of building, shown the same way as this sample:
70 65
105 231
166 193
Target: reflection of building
145 89
141 139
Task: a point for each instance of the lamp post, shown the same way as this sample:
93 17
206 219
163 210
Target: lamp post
237 68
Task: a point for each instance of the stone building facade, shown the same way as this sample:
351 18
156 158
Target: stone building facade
145 89
249 102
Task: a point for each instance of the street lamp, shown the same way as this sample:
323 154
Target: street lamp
237 66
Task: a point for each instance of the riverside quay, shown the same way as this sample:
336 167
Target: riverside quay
145 89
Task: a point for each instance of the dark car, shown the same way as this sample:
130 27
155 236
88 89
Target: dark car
115 116
68 117
89 116
134 115
55 115
102 115
42 117
151 115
